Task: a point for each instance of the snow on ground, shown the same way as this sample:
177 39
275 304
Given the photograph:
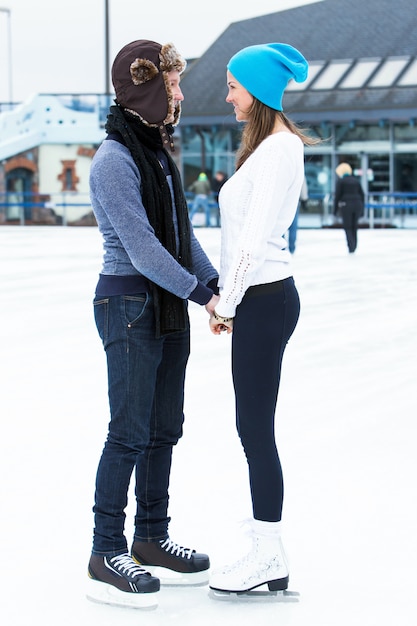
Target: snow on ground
346 425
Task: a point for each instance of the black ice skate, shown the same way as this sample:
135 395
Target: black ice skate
118 580
172 563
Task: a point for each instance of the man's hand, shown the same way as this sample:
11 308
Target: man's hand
212 303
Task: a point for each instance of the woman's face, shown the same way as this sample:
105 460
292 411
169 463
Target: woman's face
239 97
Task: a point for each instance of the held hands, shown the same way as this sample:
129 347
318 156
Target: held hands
219 324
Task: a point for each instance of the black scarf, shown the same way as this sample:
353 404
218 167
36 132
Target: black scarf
143 142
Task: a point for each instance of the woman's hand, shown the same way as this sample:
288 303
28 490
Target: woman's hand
219 324
217 328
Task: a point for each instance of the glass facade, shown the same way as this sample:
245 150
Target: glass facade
208 149
383 155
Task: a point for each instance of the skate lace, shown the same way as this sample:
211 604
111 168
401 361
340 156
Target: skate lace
174 548
125 565
247 528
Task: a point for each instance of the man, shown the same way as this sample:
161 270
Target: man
152 265
202 190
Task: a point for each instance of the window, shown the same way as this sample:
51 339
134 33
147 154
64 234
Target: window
410 75
331 75
360 73
405 171
68 177
405 133
388 72
355 133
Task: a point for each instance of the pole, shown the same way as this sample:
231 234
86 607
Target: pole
107 47
9 37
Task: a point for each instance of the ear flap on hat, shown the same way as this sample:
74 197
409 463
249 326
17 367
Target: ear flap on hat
142 70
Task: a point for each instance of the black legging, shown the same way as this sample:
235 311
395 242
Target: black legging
264 322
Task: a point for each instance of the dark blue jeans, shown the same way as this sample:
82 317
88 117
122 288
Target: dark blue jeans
292 232
146 396
264 322
201 202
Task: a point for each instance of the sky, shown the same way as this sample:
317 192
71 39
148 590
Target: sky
59 46
346 429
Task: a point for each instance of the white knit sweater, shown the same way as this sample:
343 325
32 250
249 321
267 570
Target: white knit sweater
257 206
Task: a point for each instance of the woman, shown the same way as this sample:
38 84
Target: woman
258 297
349 203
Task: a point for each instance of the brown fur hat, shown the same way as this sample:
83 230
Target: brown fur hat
139 75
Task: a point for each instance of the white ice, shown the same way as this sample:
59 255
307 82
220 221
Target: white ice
346 427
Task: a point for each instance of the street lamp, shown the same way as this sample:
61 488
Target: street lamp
107 48
9 36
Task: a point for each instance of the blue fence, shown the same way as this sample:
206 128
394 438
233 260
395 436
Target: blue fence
74 209
65 208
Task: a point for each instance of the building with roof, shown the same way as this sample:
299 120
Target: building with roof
360 98
46 147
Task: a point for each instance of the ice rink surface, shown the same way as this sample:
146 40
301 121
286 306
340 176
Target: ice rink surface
346 429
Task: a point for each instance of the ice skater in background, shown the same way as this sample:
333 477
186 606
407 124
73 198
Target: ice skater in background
258 298
349 203
202 190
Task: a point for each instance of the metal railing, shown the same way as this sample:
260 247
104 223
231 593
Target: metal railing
62 208
396 209
382 210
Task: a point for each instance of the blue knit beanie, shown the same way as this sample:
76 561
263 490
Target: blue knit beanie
264 70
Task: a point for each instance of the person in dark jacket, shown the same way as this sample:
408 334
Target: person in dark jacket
349 203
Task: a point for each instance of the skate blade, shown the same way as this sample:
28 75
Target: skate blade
260 594
169 578
102 593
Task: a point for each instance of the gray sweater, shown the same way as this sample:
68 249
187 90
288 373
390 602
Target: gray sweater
129 241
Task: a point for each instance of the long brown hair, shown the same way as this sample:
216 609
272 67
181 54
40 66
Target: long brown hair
260 124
